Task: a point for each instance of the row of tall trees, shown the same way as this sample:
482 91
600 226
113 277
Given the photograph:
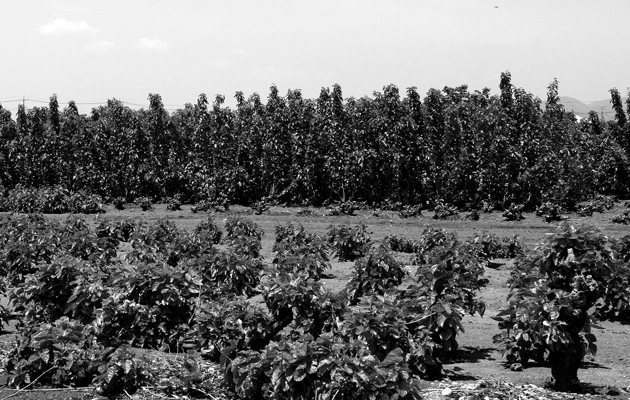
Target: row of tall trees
453 144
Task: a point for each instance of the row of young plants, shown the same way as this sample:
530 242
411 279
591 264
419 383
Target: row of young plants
83 306
274 328
460 145
49 200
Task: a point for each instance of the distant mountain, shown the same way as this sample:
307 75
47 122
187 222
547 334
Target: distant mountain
581 109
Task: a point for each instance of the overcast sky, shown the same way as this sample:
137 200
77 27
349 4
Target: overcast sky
91 51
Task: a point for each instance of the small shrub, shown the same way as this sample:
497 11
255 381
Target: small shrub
487 206
345 208
299 251
299 300
202 205
304 212
173 204
119 203
514 212
549 211
623 218
228 272
607 202
85 203
208 231
145 203
64 354
472 215
400 244
374 274
230 325
120 230
431 239
489 246
410 211
444 211
242 227
260 207
389 205
150 306
122 373
54 289
349 243
454 273
51 200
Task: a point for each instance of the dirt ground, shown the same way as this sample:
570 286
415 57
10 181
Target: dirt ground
478 357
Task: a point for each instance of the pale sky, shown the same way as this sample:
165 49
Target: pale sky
91 51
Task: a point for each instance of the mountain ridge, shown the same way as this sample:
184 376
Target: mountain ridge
601 107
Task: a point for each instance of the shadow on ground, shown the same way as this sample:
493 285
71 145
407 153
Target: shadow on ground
474 354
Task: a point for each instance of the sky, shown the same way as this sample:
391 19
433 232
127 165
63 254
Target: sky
91 51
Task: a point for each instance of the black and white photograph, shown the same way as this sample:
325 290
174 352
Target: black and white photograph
314 200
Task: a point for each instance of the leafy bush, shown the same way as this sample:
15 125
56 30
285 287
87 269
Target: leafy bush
310 368
243 235
623 218
390 205
163 241
430 239
151 306
472 215
301 301
202 205
260 207
487 206
616 301
297 250
208 231
229 325
549 211
514 212
598 204
119 203
489 246
121 230
227 272
410 211
400 244
242 227
290 235
26 241
51 200
454 273
173 204
444 211
123 373
218 204
344 208
145 203
60 354
549 303
85 203
304 212
66 286
374 274
349 243
602 201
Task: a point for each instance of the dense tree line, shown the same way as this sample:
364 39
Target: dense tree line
455 145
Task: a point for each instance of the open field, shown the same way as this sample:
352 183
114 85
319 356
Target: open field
478 357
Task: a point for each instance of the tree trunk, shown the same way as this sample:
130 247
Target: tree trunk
564 368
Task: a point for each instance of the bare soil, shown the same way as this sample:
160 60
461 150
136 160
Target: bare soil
478 358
